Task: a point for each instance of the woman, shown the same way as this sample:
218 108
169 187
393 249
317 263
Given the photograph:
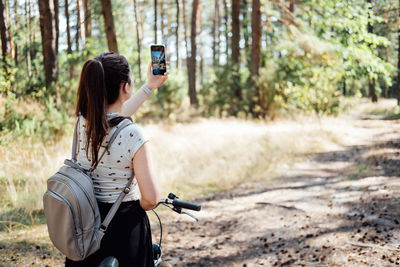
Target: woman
104 100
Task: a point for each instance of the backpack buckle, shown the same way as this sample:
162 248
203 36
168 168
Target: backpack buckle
103 228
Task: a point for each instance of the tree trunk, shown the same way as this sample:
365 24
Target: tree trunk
256 31
141 17
162 24
28 41
34 25
57 24
371 82
16 19
235 32
57 28
200 23
5 34
155 22
386 91
48 33
218 33
192 60
291 6
185 31
78 35
87 20
109 25
177 34
235 56
165 29
226 20
246 32
167 23
214 33
216 23
11 43
344 87
397 93
256 38
138 40
371 88
16 54
69 45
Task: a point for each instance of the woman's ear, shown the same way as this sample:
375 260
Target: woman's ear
125 88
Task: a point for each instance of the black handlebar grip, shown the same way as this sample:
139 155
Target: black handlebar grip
186 205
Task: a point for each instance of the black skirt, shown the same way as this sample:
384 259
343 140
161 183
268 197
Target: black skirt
128 238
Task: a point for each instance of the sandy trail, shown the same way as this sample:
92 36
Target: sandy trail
339 207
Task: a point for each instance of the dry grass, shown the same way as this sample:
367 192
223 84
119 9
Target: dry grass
384 108
202 157
195 158
199 157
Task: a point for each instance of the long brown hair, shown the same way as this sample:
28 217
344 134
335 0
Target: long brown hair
99 86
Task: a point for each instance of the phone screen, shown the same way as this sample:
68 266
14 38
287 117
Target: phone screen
158 59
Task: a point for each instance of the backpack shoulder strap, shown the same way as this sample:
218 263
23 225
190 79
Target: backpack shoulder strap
126 190
119 127
116 204
72 163
75 140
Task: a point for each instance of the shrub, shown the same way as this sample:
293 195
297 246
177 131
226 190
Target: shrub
171 94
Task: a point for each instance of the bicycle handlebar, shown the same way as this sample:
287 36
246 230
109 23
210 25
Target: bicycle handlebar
186 205
179 203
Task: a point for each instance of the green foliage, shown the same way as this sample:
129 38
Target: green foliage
343 24
54 122
170 96
299 79
306 58
305 62
46 126
28 80
216 94
11 120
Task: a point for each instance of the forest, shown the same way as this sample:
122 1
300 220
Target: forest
247 59
281 109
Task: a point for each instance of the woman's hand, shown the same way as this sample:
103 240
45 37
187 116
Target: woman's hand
155 81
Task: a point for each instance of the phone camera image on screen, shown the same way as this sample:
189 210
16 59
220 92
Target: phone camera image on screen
158 59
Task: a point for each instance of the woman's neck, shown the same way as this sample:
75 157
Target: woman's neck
114 108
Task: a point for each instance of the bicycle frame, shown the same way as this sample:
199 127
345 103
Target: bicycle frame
176 205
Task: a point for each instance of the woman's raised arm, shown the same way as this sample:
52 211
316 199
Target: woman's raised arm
137 99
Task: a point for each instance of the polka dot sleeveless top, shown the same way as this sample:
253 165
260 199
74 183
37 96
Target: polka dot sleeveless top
115 168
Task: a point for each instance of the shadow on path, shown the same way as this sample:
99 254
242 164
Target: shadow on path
368 226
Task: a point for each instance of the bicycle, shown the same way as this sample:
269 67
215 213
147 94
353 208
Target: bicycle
174 204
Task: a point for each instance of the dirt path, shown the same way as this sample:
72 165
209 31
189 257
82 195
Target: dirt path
336 208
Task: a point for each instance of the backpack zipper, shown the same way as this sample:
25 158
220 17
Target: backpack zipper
81 187
79 208
63 199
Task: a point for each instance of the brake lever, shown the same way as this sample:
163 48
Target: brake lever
191 215
176 209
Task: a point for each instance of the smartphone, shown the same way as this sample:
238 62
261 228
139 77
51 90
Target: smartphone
158 62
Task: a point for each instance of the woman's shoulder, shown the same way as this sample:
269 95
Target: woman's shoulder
132 126
132 130
131 138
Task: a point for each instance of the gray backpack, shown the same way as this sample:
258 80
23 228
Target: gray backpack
70 206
